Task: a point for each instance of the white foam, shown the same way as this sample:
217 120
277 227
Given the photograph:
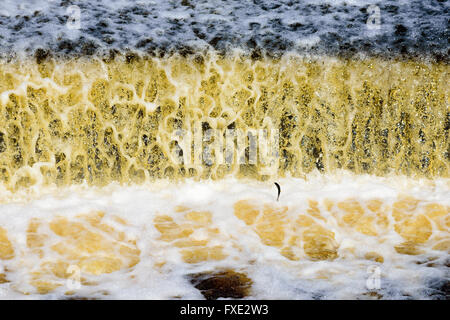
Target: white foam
274 276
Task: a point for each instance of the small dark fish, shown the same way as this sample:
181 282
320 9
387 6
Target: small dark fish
279 190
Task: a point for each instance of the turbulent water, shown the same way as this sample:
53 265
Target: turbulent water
151 241
138 154
334 27
103 121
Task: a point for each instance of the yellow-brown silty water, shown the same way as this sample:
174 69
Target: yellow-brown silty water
141 222
64 121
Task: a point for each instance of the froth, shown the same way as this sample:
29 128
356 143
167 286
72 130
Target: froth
321 240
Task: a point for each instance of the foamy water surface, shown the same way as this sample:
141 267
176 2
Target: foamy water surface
162 267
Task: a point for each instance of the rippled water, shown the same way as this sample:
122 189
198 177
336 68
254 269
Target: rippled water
333 27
